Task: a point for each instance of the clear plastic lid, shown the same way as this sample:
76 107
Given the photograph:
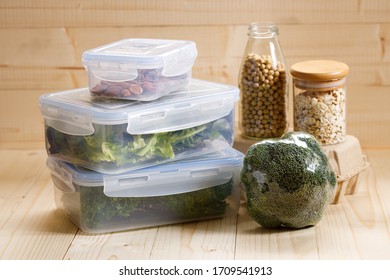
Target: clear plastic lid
126 57
75 111
166 179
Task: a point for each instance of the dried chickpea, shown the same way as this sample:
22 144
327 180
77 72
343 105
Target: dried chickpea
263 88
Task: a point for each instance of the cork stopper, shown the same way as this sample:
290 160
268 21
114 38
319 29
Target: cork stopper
319 70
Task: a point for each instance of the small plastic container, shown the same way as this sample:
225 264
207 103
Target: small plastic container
139 69
319 88
114 136
201 188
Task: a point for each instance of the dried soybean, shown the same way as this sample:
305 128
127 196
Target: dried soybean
263 109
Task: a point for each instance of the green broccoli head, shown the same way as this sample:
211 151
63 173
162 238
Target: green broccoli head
288 181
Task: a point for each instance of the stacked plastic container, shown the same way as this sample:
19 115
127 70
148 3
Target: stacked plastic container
144 144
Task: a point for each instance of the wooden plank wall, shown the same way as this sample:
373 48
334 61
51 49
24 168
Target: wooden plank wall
42 42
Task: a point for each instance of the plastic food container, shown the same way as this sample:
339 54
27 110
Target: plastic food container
201 188
320 99
139 69
114 136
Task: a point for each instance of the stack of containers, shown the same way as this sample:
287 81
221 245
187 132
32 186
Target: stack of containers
145 144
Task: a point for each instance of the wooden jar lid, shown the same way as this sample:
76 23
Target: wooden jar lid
319 70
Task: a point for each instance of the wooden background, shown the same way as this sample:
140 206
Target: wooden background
40 51
42 43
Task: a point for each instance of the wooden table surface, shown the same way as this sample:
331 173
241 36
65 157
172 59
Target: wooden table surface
31 228
41 51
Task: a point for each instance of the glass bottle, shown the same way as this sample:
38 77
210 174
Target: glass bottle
319 90
263 110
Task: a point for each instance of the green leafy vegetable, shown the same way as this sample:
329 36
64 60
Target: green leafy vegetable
96 208
112 144
98 211
210 201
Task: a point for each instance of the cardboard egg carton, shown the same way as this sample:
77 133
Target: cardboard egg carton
348 162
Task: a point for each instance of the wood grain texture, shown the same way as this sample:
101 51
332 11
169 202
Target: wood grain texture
218 69
40 51
368 117
63 47
31 228
20 118
46 13
114 246
211 239
43 41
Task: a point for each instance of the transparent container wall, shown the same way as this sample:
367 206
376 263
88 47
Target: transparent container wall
111 149
94 212
67 201
143 85
320 109
139 68
263 85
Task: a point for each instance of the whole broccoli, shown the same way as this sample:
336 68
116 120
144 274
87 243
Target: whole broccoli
288 181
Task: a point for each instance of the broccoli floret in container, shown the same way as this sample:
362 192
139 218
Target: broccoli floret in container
99 211
288 181
205 202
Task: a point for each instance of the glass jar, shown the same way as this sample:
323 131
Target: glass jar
319 89
263 84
